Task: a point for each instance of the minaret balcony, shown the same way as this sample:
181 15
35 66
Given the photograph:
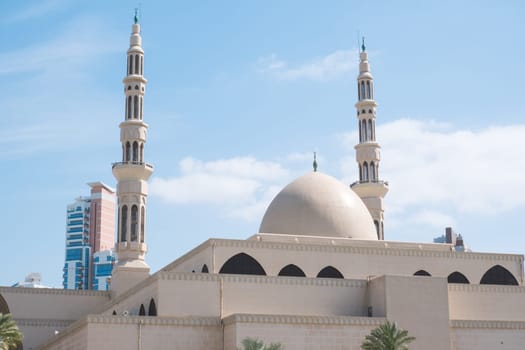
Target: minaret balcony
132 170
370 188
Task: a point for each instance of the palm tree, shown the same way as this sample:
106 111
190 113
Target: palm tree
10 335
256 344
387 337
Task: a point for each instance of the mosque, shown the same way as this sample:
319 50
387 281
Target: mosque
318 275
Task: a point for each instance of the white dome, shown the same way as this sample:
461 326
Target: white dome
318 205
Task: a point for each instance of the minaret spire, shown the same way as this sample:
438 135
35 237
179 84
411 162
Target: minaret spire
370 188
132 174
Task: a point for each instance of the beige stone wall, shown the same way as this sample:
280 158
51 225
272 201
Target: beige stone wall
419 305
355 259
130 301
147 333
300 332
486 335
486 302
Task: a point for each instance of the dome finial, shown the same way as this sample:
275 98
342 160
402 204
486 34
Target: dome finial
363 47
136 18
315 161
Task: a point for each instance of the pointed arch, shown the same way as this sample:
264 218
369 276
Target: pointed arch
422 273
370 136
497 274
114 313
362 90
360 173
372 172
376 224
365 133
137 64
205 269
128 151
330 272
4 308
134 223
141 65
457 277
242 264
140 109
135 151
130 65
152 309
135 107
128 108
365 171
358 94
368 95
124 223
142 310
292 270
141 153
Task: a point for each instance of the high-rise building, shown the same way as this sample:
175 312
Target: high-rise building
90 227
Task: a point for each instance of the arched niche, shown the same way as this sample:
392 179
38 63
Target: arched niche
142 310
330 272
4 308
457 277
205 269
422 273
152 310
498 275
242 264
292 270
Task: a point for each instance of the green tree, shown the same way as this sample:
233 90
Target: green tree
387 337
256 344
10 335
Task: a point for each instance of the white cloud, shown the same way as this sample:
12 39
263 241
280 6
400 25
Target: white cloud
79 43
38 9
433 165
328 67
241 187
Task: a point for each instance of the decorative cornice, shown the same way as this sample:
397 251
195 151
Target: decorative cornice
366 248
308 320
155 321
42 322
487 324
55 291
303 281
485 288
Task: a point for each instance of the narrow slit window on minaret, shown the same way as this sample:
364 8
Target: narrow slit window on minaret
362 90
365 171
372 172
128 108
135 152
360 133
128 152
140 109
141 65
124 224
134 223
141 155
135 107
368 89
358 95
364 130
360 173
142 218
369 136
130 65
136 64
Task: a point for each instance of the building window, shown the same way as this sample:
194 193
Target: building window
128 108
457 277
136 64
292 270
135 107
498 275
141 65
330 272
363 125
135 151
142 310
142 217
376 224
204 269
134 223
242 264
372 172
128 152
369 131
152 310
362 90
124 224
365 171
140 109
360 173
422 273
4 308
368 89
130 65
141 154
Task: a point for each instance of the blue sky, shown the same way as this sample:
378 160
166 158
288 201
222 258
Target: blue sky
239 95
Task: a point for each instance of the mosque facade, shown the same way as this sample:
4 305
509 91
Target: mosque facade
317 275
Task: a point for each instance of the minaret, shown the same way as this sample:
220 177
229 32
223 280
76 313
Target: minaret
132 174
368 152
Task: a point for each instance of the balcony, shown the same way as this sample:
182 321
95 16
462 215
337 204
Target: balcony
381 182
118 164
132 170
